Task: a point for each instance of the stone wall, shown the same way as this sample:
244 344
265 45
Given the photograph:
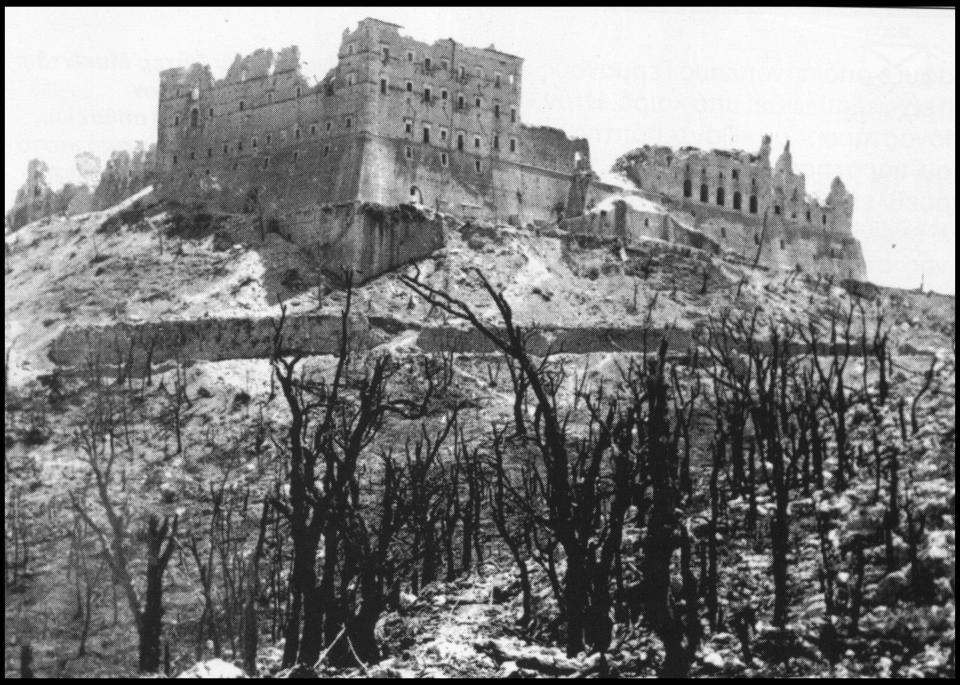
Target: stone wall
222 339
370 239
633 226
203 339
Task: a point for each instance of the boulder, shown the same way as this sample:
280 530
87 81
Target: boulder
891 588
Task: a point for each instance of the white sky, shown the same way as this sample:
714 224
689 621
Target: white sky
866 94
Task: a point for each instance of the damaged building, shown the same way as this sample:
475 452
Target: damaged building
396 120
749 208
399 121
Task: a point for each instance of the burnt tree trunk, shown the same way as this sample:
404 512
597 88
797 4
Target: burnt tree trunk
150 625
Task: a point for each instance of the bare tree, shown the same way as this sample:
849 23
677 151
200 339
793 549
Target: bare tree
583 477
96 438
333 425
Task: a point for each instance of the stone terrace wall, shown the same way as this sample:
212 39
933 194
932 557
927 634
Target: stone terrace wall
203 339
222 339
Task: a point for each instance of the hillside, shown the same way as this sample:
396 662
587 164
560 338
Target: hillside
142 262
212 436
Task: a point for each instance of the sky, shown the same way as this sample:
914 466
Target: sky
866 94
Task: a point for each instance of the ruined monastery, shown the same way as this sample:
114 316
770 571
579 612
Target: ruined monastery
359 167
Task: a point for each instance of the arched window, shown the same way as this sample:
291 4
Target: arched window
824 219
721 196
737 200
687 188
194 117
776 209
704 193
753 204
242 104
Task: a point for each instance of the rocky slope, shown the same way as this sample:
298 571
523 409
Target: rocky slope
142 262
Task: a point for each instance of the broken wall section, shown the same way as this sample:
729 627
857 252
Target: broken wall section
36 199
370 239
124 174
635 220
203 340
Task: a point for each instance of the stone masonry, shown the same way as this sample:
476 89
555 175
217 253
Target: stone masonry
760 212
396 120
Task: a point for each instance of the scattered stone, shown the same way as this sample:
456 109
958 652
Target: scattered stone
213 668
891 588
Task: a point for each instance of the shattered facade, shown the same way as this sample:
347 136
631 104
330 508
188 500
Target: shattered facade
124 174
36 199
396 120
760 212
